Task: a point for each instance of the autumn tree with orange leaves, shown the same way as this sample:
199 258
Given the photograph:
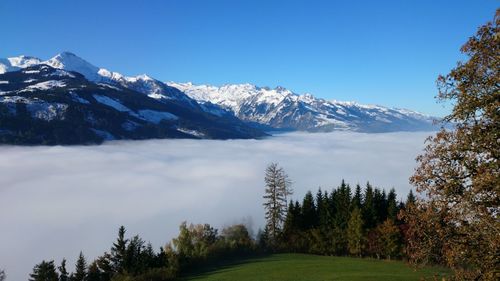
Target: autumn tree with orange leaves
456 222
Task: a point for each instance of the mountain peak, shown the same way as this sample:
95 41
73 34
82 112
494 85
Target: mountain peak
71 62
68 54
144 77
15 63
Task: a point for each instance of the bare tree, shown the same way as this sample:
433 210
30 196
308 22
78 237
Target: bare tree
278 189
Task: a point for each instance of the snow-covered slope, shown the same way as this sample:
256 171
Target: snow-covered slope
261 107
40 104
141 83
16 63
281 108
71 62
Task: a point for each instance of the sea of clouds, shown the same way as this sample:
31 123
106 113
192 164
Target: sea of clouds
56 201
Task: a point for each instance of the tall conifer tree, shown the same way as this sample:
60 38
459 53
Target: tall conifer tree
44 271
392 205
369 213
309 217
119 250
63 272
80 269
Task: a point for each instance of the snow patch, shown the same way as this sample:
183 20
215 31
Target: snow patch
111 103
77 98
47 85
31 71
61 73
156 116
142 77
191 132
23 61
152 116
37 108
109 86
47 111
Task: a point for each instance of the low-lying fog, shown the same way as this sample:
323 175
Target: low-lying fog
56 201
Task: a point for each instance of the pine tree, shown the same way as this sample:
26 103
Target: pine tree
411 198
119 250
161 258
392 205
263 239
341 218
343 203
357 199
133 253
63 273
308 212
331 202
369 213
148 257
105 267
276 195
3 276
380 204
133 259
290 224
44 271
355 232
323 214
80 269
292 227
94 274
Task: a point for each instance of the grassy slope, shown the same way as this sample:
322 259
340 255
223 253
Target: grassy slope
300 267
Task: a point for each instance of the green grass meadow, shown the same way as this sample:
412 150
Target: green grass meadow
300 267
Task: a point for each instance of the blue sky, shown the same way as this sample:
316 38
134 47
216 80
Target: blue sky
381 52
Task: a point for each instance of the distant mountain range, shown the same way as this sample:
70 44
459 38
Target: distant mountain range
281 108
66 100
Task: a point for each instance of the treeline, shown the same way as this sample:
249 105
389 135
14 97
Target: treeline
339 222
134 259
345 222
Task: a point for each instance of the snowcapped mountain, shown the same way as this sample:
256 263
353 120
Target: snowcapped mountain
141 83
71 62
66 100
283 109
16 63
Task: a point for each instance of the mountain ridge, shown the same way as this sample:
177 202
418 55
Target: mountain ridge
40 104
246 109
282 108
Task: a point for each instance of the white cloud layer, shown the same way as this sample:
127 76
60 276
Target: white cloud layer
56 201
